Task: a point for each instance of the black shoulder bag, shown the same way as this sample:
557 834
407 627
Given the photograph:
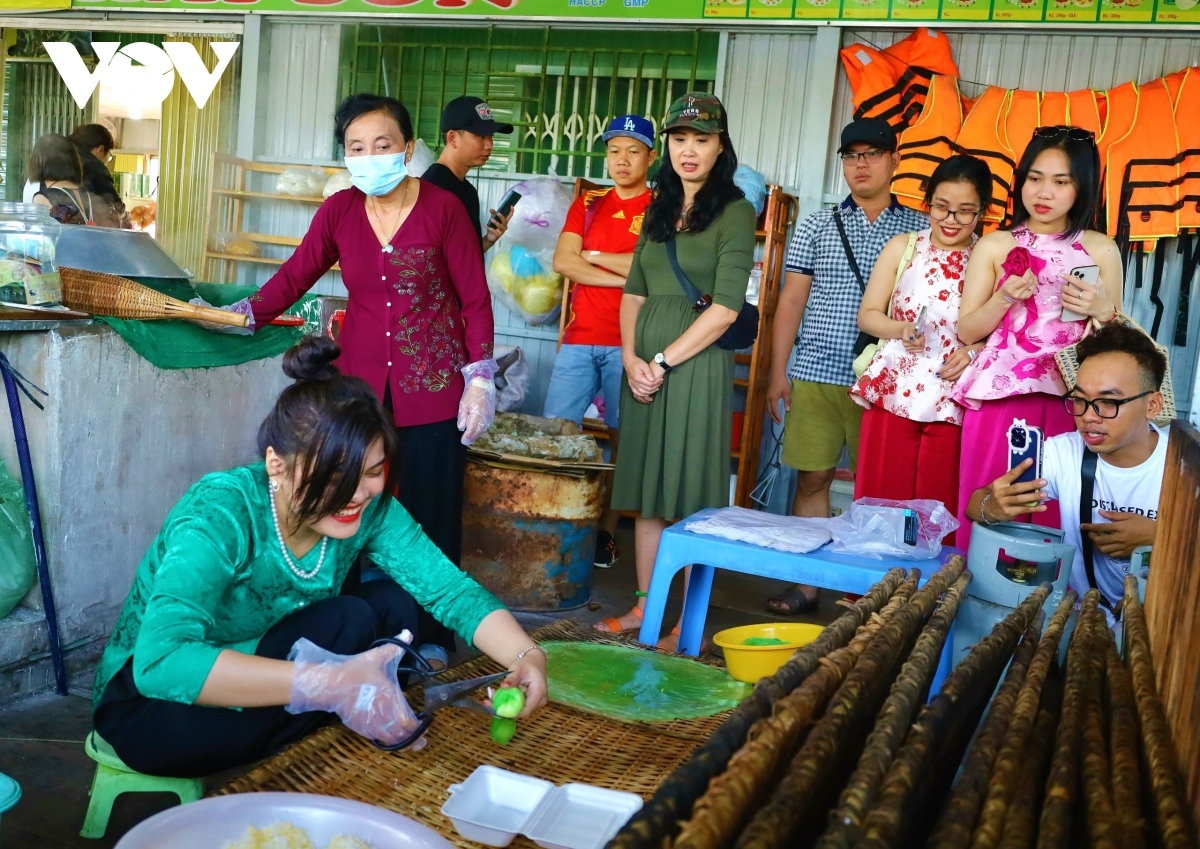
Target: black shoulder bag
1087 488
743 331
864 339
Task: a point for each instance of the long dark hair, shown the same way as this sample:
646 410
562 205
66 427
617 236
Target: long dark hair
326 422
54 158
962 169
717 192
1084 162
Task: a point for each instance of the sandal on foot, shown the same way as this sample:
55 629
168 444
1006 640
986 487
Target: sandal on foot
612 625
675 633
791 603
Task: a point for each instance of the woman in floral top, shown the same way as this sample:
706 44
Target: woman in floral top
909 446
419 326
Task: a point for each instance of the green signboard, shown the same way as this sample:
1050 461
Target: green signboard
714 11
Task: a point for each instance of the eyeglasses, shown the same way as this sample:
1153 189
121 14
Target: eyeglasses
869 156
1106 408
1073 133
940 213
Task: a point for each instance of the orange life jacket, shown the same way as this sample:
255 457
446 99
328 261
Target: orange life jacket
983 135
1024 116
1142 168
892 83
1122 109
1076 109
1187 126
930 140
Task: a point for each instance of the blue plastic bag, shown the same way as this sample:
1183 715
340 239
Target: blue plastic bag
753 186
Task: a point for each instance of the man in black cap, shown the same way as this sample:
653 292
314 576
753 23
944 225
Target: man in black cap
467 130
823 289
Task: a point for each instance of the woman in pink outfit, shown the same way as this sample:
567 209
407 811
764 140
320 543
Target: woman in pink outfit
1018 284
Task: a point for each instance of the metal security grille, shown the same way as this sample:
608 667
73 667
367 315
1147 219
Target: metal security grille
558 87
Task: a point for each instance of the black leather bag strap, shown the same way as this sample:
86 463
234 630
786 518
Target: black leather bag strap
691 291
837 219
1087 488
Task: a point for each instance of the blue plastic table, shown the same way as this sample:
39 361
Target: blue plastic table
705 554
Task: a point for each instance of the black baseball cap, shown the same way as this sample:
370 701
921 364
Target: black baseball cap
873 131
473 115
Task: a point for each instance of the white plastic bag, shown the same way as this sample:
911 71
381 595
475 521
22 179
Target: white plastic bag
785 533
866 531
524 285
512 380
539 216
422 157
304 181
336 183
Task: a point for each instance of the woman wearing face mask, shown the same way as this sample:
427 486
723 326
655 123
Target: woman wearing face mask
419 326
909 446
1018 286
241 601
676 405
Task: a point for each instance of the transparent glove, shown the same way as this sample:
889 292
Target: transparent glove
477 409
241 307
362 689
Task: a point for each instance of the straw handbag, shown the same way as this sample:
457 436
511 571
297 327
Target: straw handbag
1068 366
119 297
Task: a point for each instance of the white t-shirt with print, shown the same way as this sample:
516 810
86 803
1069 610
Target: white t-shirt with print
1132 490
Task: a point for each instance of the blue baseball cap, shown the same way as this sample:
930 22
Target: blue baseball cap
631 126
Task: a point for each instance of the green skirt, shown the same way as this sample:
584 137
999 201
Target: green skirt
674 452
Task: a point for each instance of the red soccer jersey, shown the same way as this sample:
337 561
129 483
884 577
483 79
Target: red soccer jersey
610 225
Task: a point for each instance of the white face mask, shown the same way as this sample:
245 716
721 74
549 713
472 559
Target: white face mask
376 175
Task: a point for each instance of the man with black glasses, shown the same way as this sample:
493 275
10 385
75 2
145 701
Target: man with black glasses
1116 445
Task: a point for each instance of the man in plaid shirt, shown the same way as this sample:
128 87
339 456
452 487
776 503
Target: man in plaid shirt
822 289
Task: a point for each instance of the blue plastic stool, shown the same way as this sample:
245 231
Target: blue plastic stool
705 554
10 793
113 778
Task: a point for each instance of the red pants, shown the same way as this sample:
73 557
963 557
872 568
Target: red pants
904 460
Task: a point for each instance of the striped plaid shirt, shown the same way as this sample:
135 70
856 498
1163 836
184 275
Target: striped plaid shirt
830 327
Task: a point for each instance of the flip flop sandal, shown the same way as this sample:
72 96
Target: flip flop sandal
612 625
791 603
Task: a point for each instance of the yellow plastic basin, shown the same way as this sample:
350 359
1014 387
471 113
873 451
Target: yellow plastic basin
749 663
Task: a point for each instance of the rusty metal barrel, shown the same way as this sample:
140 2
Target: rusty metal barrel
529 535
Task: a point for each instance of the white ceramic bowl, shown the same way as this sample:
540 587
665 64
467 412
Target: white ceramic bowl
210 823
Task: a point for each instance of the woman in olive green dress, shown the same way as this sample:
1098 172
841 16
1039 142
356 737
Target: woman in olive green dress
676 409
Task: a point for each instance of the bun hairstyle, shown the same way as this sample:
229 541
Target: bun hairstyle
327 422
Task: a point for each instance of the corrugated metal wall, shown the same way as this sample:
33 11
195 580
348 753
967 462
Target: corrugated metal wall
1063 63
764 90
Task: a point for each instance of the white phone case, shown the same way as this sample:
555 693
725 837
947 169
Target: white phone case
1089 274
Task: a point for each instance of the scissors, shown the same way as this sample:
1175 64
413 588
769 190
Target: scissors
437 696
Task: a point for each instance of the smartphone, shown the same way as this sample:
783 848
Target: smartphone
919 324
1025 443
1089 274
506 205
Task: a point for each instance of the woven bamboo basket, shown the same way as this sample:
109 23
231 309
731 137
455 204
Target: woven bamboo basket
119 297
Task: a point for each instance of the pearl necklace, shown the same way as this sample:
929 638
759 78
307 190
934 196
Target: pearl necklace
287 557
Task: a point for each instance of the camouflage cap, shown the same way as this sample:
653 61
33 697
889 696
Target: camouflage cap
696 110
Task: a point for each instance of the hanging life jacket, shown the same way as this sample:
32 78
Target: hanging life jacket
1074 108
928 142
983 135
1142 170
892 84
1187 126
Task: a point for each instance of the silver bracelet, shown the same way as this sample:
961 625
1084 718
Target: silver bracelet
982 514
521 656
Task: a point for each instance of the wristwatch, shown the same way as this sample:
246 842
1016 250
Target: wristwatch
661 362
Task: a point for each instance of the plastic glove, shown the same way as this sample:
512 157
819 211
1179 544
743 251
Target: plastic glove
362 689
477 409
241 307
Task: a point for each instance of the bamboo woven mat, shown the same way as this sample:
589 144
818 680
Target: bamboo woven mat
559 744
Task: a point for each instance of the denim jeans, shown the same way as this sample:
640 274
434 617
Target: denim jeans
580 371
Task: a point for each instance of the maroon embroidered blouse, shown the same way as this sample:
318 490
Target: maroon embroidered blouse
416 314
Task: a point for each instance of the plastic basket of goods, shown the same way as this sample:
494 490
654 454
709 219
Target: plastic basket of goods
280 821
756 651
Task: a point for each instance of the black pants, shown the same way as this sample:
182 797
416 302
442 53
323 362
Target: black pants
160 737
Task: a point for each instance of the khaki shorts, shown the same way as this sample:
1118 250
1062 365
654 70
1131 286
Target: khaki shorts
820 423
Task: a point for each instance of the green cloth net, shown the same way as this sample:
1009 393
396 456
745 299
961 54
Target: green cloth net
633 685
180 344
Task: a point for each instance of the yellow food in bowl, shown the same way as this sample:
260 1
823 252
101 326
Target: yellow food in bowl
284 835
750 662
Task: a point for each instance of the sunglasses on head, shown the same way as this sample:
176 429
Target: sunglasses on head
1073 133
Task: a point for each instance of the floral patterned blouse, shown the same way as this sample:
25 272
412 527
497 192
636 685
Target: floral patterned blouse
906 384
419 307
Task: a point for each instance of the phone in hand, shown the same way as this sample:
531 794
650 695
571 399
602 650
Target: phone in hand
1089 274
506 205
919 324
1025 442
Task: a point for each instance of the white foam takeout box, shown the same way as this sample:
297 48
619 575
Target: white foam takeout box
494 805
